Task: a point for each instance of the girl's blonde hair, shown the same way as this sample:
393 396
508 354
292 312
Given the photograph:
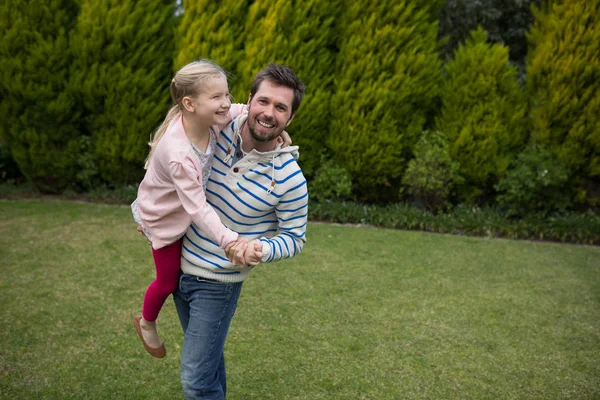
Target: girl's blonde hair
186 82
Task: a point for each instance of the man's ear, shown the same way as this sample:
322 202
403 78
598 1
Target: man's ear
290 120
187 104
249 98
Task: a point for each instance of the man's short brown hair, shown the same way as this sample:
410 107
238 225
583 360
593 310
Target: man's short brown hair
280 75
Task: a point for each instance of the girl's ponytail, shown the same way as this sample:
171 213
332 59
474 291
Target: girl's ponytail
158 134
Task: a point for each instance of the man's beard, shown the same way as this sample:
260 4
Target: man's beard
263 138
257 136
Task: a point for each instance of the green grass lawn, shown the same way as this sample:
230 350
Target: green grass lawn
363 313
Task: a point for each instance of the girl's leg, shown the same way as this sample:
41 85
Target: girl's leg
167 261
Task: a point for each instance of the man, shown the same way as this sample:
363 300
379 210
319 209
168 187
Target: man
258 190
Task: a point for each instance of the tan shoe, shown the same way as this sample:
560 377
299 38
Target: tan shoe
158 352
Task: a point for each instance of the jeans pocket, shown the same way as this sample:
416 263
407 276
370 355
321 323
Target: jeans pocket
184 282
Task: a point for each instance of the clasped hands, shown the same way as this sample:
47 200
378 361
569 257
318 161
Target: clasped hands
243 253
240 252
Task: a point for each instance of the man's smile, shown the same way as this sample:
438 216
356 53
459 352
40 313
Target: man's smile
261 123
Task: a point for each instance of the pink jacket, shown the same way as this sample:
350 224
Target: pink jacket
171 195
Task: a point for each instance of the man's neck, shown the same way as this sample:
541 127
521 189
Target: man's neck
249 143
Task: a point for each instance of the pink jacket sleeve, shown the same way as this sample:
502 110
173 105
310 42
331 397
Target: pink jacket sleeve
193 200
237 109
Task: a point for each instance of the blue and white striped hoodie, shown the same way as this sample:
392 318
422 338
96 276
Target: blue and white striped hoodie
259 195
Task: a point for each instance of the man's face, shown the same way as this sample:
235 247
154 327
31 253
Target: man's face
269 111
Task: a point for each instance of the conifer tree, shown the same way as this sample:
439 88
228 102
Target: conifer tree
39 118
387 79
482 112
563 71
302 35
121 71
214 30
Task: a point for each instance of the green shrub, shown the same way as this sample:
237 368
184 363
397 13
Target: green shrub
482 113
87 176
465 220
432 174
122 194
563 70
331 182
9 170
121 74
40 119
536 182
387 79
214 30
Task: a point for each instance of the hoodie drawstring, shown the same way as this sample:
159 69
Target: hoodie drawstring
231 150
272 175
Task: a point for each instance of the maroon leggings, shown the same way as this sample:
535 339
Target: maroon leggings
167 261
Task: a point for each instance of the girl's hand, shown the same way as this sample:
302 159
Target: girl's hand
235 252
141 230
284 139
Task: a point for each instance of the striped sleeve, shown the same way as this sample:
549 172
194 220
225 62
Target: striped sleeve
292 217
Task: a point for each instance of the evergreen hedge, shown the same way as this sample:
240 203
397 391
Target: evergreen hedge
386 83
83 84
213 30
482 113
122 58
40 119
583 228
563 75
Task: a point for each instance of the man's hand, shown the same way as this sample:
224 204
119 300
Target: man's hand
284 139
235 252
253 253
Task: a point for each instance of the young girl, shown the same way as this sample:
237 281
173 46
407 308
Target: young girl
171 195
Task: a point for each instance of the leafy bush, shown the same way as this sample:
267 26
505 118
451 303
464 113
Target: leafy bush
483 113
9 170
467 220
87 176
121 73
39 117
431 175
535 182
387 80
563 70
123 194
331 182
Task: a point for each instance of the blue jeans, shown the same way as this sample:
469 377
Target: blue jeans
205 311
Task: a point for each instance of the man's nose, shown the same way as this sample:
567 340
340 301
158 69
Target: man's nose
268 111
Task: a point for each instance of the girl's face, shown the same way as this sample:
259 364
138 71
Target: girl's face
211 105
